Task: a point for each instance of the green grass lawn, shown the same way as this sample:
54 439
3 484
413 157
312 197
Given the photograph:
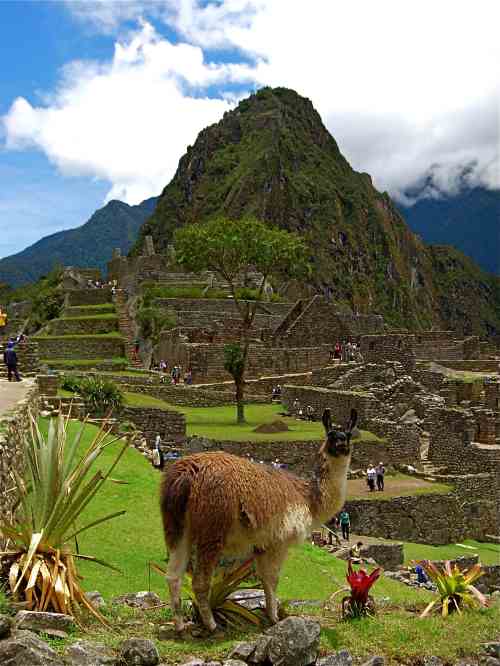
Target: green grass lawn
219 423
104 315
80 336
133 540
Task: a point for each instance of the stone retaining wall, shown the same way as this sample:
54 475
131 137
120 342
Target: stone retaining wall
389 347
91 326
78 348
474 365
216 307
12 429
88 297
170 425
299 456
340 402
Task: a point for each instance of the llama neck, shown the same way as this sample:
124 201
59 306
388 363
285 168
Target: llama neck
328 491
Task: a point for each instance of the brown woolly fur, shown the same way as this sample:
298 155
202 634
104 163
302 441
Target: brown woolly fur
216 504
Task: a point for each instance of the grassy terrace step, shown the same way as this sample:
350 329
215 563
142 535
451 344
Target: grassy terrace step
86 310
92 317
113 334
116 363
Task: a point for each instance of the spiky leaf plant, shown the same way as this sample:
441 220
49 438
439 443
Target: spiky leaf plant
226 611
455 588
359 602
55 489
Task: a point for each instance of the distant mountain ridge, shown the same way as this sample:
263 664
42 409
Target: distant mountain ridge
469 220
115 225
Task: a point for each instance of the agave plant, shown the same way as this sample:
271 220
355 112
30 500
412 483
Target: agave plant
55 489
359 602
455 588
226 611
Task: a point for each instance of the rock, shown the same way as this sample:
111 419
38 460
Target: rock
294 641
96 599
261 648
85 653
139 652
432 661
233 662
409 417
375 661
5 625
250 598
26 649
387 555
138 599
342 658
242 651
194 662
54 624
490 661
492 648
343 553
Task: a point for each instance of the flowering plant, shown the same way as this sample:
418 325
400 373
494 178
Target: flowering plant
359 602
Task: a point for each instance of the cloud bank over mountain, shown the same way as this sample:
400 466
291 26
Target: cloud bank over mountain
403 87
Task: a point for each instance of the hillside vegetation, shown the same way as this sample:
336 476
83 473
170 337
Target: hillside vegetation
272 158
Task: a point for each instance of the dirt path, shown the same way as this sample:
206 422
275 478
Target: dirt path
12 392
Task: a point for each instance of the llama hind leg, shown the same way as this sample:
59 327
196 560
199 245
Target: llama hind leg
269 565
177 565
202 579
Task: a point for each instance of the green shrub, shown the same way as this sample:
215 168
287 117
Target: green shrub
100 395
71 383
154 320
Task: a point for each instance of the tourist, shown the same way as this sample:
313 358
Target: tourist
348 351
3 320
10 360
337 352
295 407
310 413
162 365
356 552
371 476
421 575
157 458
188 377
345 524
380 470
136 347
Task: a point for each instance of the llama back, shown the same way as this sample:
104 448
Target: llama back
219 496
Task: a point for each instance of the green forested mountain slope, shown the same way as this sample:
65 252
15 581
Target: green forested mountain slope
115 225
272 157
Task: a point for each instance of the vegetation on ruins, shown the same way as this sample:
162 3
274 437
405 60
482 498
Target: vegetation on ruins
57 486
100 395
153 321
455 588
359 602
232 249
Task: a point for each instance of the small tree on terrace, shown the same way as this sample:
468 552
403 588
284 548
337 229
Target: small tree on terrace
231 248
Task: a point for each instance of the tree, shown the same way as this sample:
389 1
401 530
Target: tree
231 249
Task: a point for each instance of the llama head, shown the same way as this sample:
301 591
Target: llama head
338 442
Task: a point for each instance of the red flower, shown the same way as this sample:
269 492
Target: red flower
360 583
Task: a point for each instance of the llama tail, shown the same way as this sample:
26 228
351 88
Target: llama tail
174 497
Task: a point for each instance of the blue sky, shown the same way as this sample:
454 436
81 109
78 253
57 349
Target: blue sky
99 98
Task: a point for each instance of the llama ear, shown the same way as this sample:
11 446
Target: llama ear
353 419
327 420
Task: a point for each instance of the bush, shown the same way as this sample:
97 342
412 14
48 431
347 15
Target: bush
153 321
71 383
100 395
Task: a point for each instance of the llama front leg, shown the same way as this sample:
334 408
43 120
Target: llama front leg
177 565
269 565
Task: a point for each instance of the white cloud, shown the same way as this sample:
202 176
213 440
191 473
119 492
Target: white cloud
402 86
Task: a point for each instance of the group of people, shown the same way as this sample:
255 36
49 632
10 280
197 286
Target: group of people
375 476
276 395
97 284
175 373
301 412
345 351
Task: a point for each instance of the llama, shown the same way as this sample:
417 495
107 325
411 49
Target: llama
216 504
